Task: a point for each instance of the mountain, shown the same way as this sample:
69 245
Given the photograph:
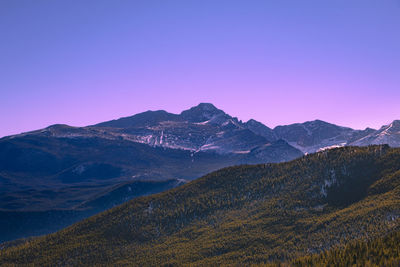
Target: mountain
61 167
205 112
200 128
260 129
207 128
47 175
243 215
388 134
312 136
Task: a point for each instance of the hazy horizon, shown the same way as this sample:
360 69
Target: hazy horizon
91 61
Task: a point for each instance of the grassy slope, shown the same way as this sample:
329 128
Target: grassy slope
239 215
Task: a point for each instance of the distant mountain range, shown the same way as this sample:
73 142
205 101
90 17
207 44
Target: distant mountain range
207 128
62 167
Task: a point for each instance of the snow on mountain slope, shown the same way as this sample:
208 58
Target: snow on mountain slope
313 136
200 128
387 134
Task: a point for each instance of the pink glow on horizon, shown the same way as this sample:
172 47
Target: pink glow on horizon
338 62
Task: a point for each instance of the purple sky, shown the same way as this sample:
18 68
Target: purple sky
279 62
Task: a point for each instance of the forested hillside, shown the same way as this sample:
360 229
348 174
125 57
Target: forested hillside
384 251
239 215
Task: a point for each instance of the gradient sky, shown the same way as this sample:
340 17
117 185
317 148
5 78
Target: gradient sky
80 62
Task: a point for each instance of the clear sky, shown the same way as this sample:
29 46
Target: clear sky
80 62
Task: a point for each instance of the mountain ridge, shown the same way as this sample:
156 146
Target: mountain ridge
155 127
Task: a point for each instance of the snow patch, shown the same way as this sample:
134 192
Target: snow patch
202 123
331 147
328 183
242 152
80 169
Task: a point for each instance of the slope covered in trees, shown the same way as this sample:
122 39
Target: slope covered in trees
384 251
239 215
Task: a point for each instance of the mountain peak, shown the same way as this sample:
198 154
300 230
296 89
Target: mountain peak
206 106
260 129
391 129
317 122
396 123
201 112
253 122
